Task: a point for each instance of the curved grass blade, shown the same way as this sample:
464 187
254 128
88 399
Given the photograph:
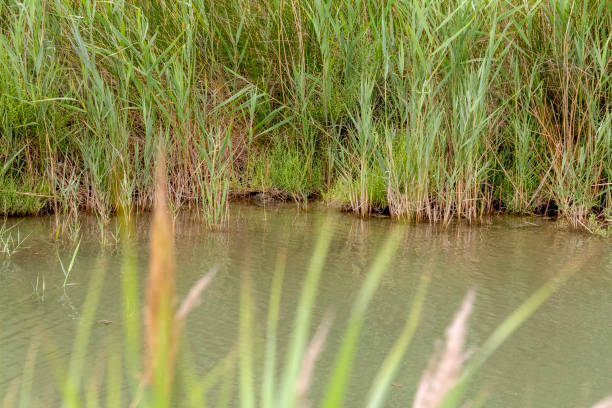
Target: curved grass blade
302 320
503 331
336 389
383 378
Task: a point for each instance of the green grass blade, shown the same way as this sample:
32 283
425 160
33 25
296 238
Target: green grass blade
503 331
269 370
247 391
336 388
383 378
78 358
302 321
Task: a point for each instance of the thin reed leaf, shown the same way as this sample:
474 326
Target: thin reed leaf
336 389
384 376
247 388
297 345
269 369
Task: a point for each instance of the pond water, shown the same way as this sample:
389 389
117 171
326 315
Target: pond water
560 357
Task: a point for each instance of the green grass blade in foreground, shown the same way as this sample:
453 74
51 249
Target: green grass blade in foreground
131 309
79 353
25 393
114 377
267 385
222 372
503 331
247 391
385 374
334 395
67 271
302 320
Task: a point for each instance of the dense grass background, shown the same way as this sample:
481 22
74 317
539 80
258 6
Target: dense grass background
428 109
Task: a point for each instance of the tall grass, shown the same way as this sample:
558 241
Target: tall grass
428 110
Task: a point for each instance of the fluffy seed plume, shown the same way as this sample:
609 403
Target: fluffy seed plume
445 365
310 358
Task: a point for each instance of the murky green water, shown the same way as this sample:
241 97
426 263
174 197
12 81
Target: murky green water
561 357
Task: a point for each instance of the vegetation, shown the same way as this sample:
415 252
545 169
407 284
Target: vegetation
10 240
148 368
428 109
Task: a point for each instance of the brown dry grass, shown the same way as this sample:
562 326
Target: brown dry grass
160 297
163 321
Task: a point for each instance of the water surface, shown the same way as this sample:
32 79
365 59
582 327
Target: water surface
561 357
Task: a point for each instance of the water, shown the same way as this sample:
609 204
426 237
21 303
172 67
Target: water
561 357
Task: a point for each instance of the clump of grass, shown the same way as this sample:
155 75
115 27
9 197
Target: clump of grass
22 197
215 150
287 168
66 270
11 239
361 151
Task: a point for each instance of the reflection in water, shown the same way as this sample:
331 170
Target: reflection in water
559 358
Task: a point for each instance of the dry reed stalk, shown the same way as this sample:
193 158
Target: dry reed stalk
445 365
163 324
160 297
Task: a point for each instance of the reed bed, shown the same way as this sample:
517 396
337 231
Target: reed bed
428 110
